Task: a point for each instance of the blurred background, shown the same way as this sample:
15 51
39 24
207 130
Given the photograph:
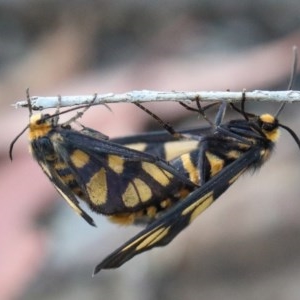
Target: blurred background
247 245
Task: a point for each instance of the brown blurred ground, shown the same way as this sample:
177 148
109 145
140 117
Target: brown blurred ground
244 247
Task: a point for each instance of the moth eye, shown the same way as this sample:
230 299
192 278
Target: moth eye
268 126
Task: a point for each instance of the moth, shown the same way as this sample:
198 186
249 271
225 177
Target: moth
221 157
124 184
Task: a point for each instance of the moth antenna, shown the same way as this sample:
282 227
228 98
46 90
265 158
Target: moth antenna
294 68
11 146
290 86
14 141
292 78
292 133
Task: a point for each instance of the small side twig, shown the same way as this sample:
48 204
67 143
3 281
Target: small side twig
39 103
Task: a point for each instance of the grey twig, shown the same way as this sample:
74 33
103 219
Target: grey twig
39 103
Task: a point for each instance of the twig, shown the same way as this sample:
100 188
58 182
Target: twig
39 103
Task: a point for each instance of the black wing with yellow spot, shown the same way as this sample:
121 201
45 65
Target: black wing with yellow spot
112 179
164 230
223 156
115 178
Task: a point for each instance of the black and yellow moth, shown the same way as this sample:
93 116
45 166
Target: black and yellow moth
127 185
222 156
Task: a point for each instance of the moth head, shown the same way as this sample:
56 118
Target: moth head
40 125
269 126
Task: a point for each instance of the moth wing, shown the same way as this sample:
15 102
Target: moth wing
73 202
163 230
163 144
65 192
113 178
98 148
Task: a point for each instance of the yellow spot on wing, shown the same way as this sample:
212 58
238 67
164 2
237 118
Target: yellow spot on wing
137 146
199 206
216 163
116 163
244 146
79 158
136 191
60 165
153 237
156 236
144 191
203 206
67 178
191 169
97 187
76 208
161 176
130 197
177 148
233 154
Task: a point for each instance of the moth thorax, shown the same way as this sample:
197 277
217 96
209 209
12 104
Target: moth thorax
38 127
269 126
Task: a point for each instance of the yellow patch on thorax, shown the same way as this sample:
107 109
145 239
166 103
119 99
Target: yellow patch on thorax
36 129
273 135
